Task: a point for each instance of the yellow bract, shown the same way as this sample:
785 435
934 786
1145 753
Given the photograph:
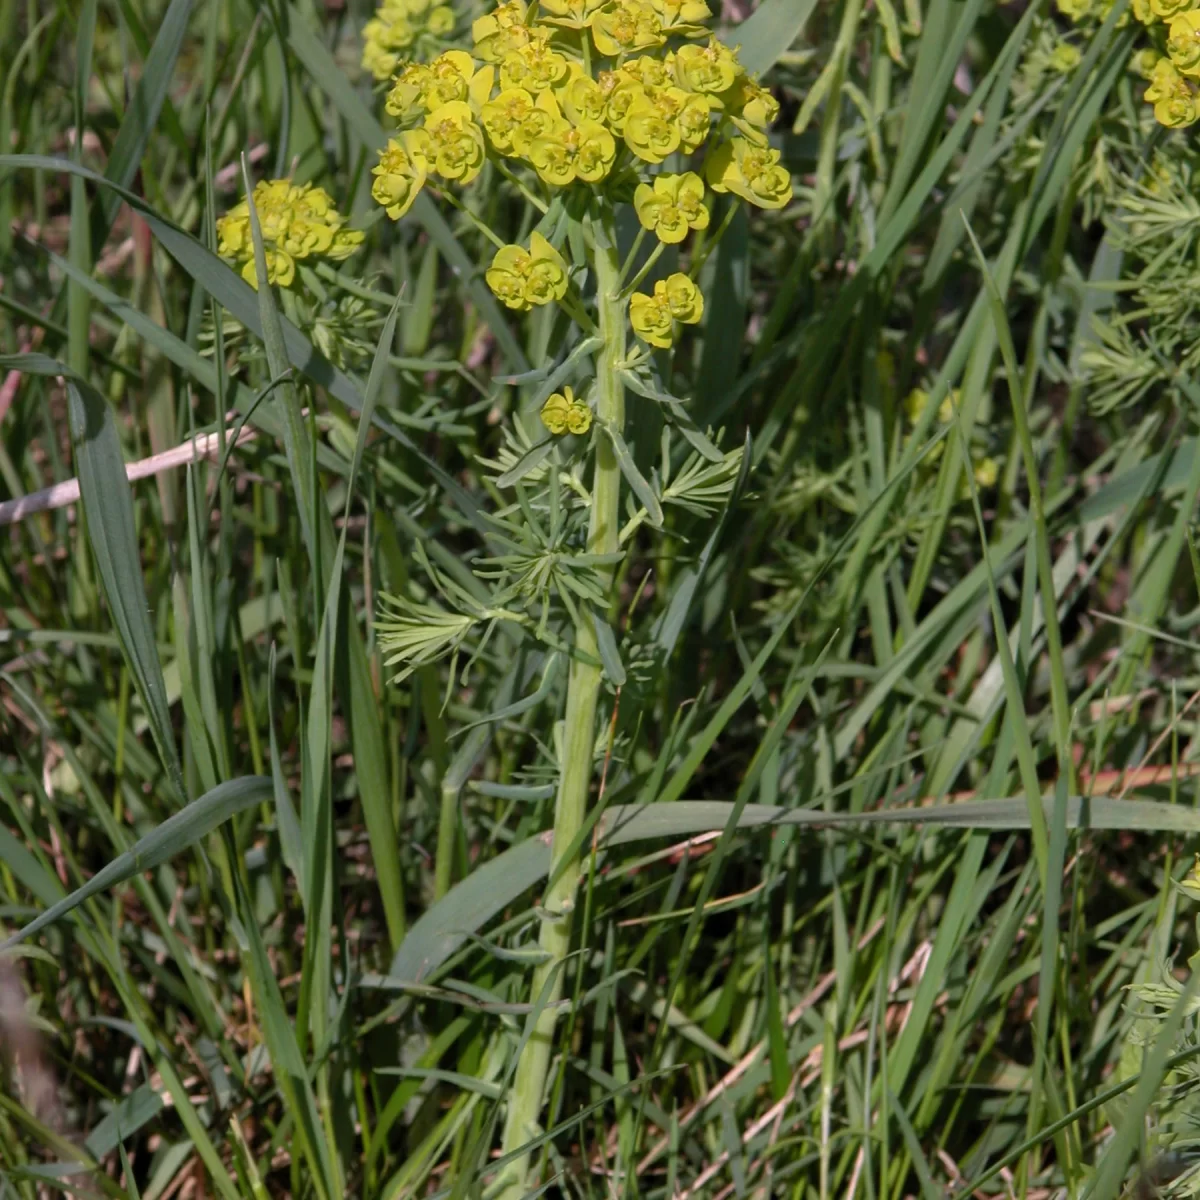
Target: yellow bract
524 278
564 413
674 205
297 221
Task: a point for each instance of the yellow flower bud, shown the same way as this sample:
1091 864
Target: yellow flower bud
672 206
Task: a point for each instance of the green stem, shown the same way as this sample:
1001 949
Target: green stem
583 689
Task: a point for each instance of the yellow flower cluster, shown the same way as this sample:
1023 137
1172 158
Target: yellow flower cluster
394 30
1173 77
525 278
589 88
653 317
563 413
297 221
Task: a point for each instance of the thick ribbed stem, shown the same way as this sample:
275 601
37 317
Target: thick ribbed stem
583 688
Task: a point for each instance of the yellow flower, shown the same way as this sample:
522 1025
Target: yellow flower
625 26
1065 57
233 232
651 70
1144 61
694 122
429 86
455 148
281 269
1173 97
395 28
1183 43
1164 10
684 17
503 115
579 417
534 67
623 94
652 125
672 206
302 238
566 152
595 151
710 69
408 91
684 299
563 413
401 173
750 171
500 31
345 243
523 278
651 318
571 14
581 97
1075 10
914 404
554 412
544 121
987 471
754 110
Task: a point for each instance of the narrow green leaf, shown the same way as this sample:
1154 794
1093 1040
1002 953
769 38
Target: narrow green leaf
634 477
108 505
174 835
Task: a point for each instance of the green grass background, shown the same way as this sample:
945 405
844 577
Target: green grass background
286 910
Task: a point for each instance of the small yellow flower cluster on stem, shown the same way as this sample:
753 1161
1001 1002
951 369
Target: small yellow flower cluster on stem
591 92
298 221
564 412
1171 64
397 27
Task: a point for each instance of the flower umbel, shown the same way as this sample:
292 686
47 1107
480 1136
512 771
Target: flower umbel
297 221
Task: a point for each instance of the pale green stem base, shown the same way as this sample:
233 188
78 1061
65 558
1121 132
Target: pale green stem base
583 689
